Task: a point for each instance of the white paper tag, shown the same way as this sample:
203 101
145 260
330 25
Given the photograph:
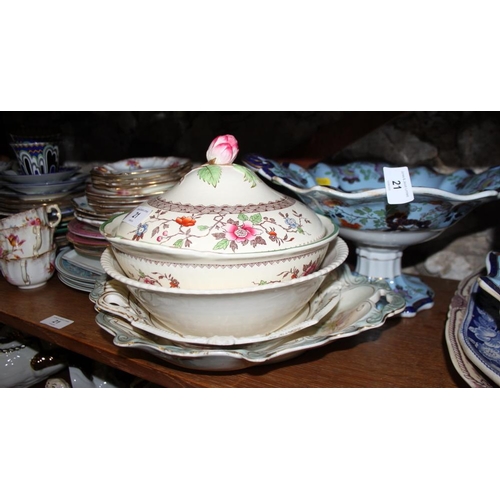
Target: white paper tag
398 185
56 322
135 217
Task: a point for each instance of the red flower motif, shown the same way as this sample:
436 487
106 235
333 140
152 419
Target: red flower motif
349 225
185 221
35 222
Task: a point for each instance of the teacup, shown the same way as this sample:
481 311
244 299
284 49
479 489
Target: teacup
48 215
30 272
29 240
37 158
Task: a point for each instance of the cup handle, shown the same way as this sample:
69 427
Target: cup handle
53 210
24 273
37 231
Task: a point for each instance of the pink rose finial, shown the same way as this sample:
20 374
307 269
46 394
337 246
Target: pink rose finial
223 150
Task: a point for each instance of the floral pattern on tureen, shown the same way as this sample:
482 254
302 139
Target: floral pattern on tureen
269 221
251 229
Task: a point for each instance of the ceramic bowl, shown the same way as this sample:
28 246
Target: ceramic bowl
47 215
354 195
29 240
191 269
240 312
30 272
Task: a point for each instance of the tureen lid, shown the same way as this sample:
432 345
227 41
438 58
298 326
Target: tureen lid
222 207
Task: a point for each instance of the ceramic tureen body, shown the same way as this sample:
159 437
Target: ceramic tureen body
220 217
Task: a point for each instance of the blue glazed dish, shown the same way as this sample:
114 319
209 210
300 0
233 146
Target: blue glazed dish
491 282
354 196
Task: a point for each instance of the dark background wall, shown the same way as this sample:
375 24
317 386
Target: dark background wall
111 136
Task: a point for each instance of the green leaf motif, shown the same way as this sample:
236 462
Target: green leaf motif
210 174
243 217
202 228
256 219
248 175
178 244
222 244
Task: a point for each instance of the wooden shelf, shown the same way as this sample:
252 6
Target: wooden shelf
404 352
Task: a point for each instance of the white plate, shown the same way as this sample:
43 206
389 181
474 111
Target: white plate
358 310
82 287
87 263
71 269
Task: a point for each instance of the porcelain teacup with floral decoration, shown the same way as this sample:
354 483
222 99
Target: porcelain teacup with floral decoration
49 215
29 233
30 272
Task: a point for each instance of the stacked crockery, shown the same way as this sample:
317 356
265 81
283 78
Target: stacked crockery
124 184
221 257
27 249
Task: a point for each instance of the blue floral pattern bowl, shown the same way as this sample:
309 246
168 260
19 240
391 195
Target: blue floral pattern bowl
354 196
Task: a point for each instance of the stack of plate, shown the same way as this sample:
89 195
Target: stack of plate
121 186
78 271
344 305
86 238
20 192
85 213
473 326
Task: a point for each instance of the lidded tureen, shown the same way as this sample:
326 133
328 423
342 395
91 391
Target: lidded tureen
222 207
220 214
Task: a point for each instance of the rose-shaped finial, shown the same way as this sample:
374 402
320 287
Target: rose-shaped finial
223 150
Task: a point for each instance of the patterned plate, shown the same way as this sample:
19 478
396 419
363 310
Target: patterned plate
467 370
479 334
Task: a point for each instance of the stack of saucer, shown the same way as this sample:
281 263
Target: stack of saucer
121 186
20 192
78 271
86 238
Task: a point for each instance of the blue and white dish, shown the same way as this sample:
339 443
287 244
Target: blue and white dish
480 333
354 196
491 282
63 173
45 188
456 313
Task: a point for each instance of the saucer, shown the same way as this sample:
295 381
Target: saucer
362 306
64 173
115 299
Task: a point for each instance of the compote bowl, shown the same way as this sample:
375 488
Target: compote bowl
354 195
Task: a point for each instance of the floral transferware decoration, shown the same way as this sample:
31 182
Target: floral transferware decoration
354 194
215 220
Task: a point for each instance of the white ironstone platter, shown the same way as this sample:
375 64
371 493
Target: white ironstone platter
363 305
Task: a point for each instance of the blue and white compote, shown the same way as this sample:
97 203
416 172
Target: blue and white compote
354 195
